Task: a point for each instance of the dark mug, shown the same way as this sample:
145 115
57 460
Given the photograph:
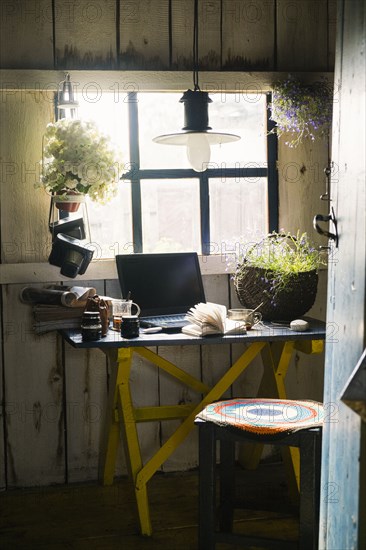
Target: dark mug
91 326
130 326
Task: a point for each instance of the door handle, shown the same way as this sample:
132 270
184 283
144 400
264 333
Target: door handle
329 218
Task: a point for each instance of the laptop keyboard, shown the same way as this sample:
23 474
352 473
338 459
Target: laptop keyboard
168 319
164 320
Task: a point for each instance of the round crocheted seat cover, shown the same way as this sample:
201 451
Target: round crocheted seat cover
264 416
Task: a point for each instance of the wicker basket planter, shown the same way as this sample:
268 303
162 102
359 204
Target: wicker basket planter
254 285
279 276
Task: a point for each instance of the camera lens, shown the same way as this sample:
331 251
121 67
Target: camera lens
72 262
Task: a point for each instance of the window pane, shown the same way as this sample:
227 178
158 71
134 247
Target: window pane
160 114
109 112
111 224
238 212
170 215
244 115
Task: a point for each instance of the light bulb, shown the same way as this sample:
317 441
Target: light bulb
198 151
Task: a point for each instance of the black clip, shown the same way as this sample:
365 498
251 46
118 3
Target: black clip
330 218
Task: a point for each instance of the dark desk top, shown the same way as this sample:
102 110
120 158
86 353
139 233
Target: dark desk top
267 333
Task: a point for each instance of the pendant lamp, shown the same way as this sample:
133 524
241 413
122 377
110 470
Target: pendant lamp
196 134
67 106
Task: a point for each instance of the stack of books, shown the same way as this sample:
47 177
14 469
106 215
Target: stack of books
56 307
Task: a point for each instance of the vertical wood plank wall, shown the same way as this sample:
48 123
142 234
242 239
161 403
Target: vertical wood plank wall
285 35
54 396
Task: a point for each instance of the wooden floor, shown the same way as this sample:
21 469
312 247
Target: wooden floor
94 517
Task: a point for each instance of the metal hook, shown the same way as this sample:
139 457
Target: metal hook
330 218
327 171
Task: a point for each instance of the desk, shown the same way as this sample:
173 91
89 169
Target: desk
276 346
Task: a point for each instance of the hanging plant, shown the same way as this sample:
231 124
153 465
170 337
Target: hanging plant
78 159
301 110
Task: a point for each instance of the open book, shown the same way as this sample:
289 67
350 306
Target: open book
69 296
209 318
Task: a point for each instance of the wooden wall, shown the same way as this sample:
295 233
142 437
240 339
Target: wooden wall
53 396
260 35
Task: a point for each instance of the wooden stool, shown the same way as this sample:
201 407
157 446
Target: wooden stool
267 421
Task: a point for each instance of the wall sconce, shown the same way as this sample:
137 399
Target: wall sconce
196 134
67 106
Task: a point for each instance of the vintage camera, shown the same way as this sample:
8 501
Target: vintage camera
71 227
69 254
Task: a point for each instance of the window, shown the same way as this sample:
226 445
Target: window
163 205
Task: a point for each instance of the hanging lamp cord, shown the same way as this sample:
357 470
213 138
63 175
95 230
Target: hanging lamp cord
195 47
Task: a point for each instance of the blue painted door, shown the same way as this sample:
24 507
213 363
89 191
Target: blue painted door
342 494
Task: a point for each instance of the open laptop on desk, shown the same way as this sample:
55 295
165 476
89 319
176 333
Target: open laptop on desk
165 286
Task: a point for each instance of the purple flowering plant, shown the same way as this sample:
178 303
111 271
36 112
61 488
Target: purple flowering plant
301 110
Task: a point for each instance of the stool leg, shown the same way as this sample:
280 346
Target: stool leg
227 485
310 454
207 486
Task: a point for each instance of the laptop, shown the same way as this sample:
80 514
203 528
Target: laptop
165 286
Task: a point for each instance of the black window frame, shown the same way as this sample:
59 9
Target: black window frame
136 174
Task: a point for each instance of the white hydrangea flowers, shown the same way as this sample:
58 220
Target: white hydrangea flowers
78 158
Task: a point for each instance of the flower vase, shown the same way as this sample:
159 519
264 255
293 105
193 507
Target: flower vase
68 201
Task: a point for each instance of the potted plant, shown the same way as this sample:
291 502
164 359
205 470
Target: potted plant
280 272
301 110
78 160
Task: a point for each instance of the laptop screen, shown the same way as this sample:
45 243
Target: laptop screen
161 284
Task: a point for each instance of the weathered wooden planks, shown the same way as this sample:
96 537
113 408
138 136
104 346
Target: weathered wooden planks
302 31
96 516
24 117
332 26
248 35
26 37
301 181
158 34
85 34
33 368
34 385
86 394
209 44
144 34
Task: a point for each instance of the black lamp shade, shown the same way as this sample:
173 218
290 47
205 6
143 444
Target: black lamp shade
195 111
195 122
